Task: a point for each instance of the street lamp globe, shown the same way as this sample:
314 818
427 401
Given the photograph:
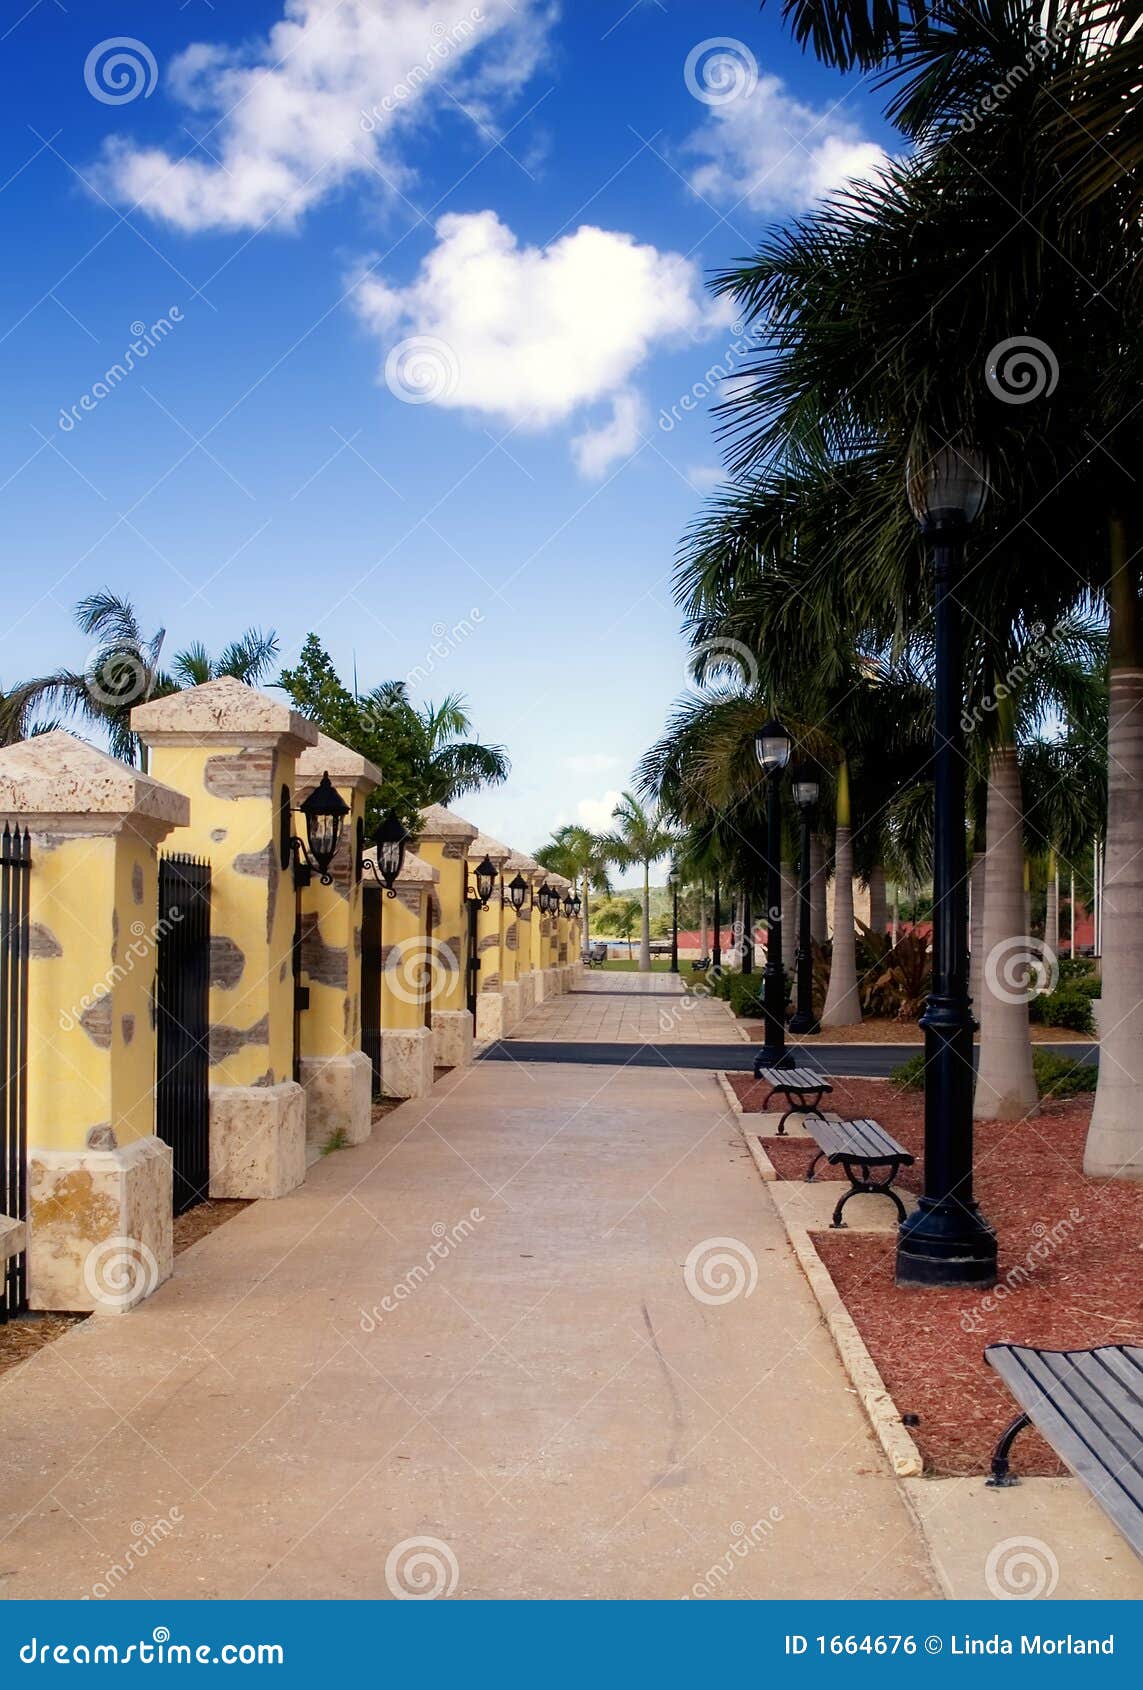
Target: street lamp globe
485 876
772 746
805 789
949 486
325 811
391 840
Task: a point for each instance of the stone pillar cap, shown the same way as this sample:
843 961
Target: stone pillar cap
439 823
227 710
61 776
343 766
415 871
485 846
518 863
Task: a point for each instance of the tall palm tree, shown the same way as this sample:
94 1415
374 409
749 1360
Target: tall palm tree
123 668
581 857
640 836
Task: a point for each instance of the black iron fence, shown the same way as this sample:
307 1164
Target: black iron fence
182 1083
15 872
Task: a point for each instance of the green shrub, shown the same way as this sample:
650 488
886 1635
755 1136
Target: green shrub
1056 1076
1067 1006
1062 1076
746 995
1078 968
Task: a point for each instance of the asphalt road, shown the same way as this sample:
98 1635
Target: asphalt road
871 1062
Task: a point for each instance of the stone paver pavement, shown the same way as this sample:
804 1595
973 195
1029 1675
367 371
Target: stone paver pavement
474 1328
631 1009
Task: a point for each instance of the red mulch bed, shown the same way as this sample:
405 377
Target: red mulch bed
1076 1245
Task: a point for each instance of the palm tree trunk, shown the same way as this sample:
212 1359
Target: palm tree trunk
895 929
878 901
702 921
1115 1138
976 925
843 1001
585 936
1005 1083
818 928
645 930
1052 912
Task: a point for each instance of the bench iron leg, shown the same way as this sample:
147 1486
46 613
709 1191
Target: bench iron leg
812 1166
1002 1476
870 1187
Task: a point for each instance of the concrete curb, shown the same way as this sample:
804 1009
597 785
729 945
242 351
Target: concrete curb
728 1091
884 1416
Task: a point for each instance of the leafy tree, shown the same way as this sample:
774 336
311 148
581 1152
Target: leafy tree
581 857
422 755
639 837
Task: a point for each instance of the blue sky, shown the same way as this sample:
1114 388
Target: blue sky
422 284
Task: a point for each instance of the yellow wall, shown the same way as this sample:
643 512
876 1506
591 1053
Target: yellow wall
405 958
234 823
91 1041
451 926
331 945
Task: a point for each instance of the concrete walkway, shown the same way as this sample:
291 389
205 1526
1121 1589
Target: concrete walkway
546 1396
630 1009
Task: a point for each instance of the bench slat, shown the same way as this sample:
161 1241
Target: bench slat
794 1079
858 1141
1089 1406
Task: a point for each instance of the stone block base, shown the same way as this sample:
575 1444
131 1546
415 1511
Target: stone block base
406 1062
490 1016
452 1038
527 985
257 1140
553 983
511 1004
13 1237
99 1226
339 1098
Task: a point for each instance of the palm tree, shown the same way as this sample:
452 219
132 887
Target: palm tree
123 669
581 857
640 837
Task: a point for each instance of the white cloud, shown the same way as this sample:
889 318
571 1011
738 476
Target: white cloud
771 151
531 335
323 97
704 478
598 813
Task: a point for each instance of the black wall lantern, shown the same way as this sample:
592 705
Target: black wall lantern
569 903
390 843
576 905
485 876
325 811
517 891
544 899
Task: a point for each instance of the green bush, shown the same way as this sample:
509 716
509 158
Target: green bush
1078 968
1056 1076
746 994
1067 1006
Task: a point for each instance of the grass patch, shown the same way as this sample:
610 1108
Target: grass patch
621 965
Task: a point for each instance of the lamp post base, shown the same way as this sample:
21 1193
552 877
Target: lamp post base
803 1022
945 1243
773 1056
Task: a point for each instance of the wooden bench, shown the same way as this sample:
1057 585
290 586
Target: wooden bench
861 1145
1088 1404
795 1085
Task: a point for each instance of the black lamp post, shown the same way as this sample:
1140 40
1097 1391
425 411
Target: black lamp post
477 892
716 948
772 748
673 883
390 843
946 1240
803 1020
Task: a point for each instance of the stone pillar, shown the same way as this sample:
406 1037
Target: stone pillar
233 751
335 1072
491 1018
99 1180
413 964
444 843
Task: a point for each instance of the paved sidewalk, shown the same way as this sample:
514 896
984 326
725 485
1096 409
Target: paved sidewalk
544 1396
631 1009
